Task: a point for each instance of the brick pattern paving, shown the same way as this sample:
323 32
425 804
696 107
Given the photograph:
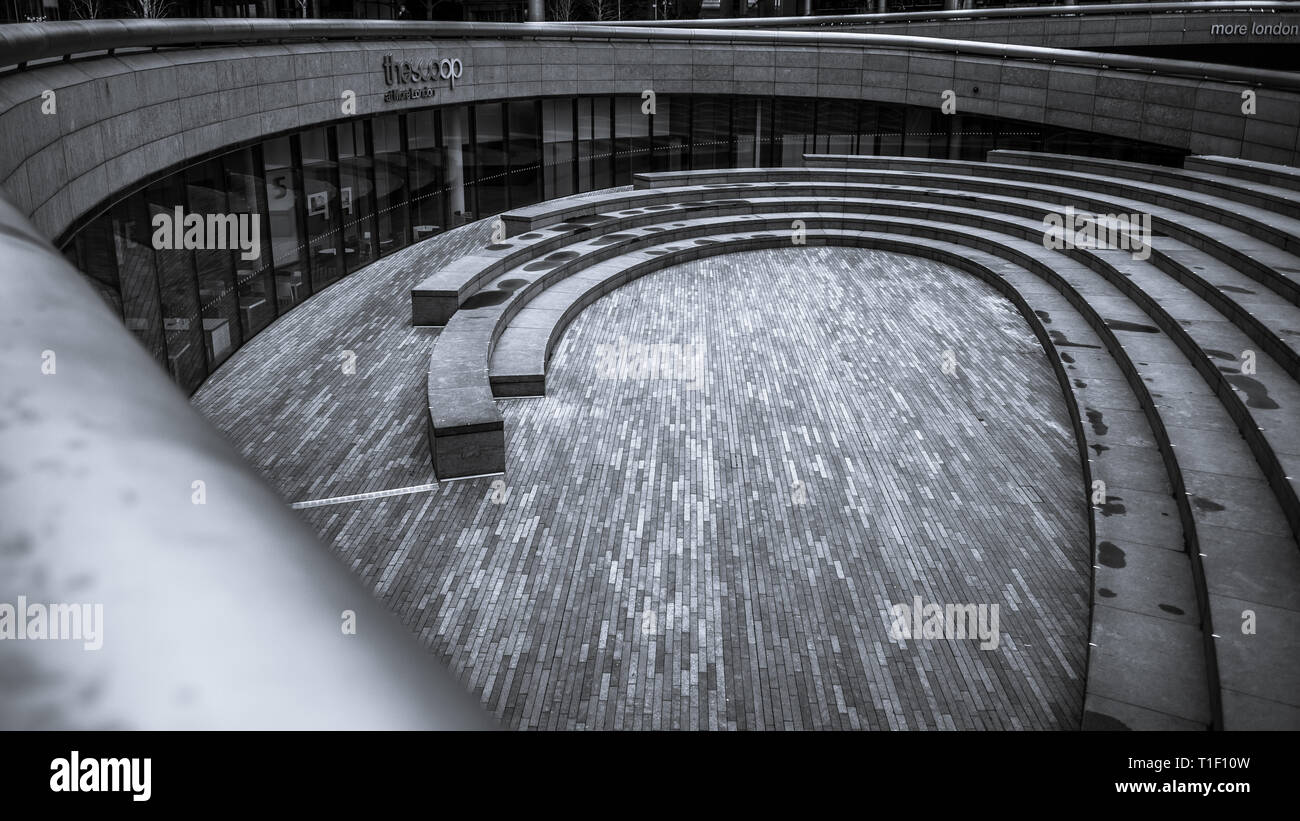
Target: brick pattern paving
710 552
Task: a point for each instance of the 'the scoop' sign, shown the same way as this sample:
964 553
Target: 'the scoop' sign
417 75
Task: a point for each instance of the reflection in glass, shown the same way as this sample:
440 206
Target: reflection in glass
710 132
319 176
284 208
672 133
218 298
457 162
424 160
390 184
837 126
356 196
490 152
132 236
559 146
252 273
182 321
525 153
793 130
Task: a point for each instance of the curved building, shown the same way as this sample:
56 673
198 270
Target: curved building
932 370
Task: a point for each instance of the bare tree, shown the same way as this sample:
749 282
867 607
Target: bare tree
603 9
150 8
304 5
560 10
86 9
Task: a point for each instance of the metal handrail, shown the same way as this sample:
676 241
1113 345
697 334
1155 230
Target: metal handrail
1026 12
24 43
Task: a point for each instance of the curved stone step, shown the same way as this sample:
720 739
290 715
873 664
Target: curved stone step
1273 324
1271 226
1256 194
1269 265
1282 176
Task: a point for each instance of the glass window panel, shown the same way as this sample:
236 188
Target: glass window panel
92 252
595 144
672 132
284 209
710 132
525 153
973 137
837 126
793 131
631 139
747 120
132 237
218 298
356 196
178 289
889 130
390 184
1014 135
253 270
425 165
320 188
490 153
927 133
558 145
457 164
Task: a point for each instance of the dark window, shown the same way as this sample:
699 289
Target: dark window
425 160
132 236
525 154
321 191
178 288
490 153
285 204
218 298
390 184
253 272
356 196
558 146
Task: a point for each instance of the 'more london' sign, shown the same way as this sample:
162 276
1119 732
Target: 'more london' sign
1254 29
418 79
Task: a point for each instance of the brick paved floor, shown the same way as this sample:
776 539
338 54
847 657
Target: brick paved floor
715 552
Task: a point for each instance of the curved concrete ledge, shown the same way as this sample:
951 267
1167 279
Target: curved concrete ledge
220 609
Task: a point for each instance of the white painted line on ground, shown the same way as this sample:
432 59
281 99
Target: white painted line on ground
358 497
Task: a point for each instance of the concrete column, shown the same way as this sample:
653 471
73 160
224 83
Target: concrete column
950 5
536 11
882 6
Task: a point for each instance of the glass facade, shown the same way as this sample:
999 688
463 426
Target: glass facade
325 202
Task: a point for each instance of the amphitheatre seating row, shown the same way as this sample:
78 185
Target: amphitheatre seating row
1267 173
1199 518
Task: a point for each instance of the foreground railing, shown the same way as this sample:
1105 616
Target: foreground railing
148 578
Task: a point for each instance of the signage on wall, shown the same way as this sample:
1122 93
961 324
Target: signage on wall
418 79
1254 28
